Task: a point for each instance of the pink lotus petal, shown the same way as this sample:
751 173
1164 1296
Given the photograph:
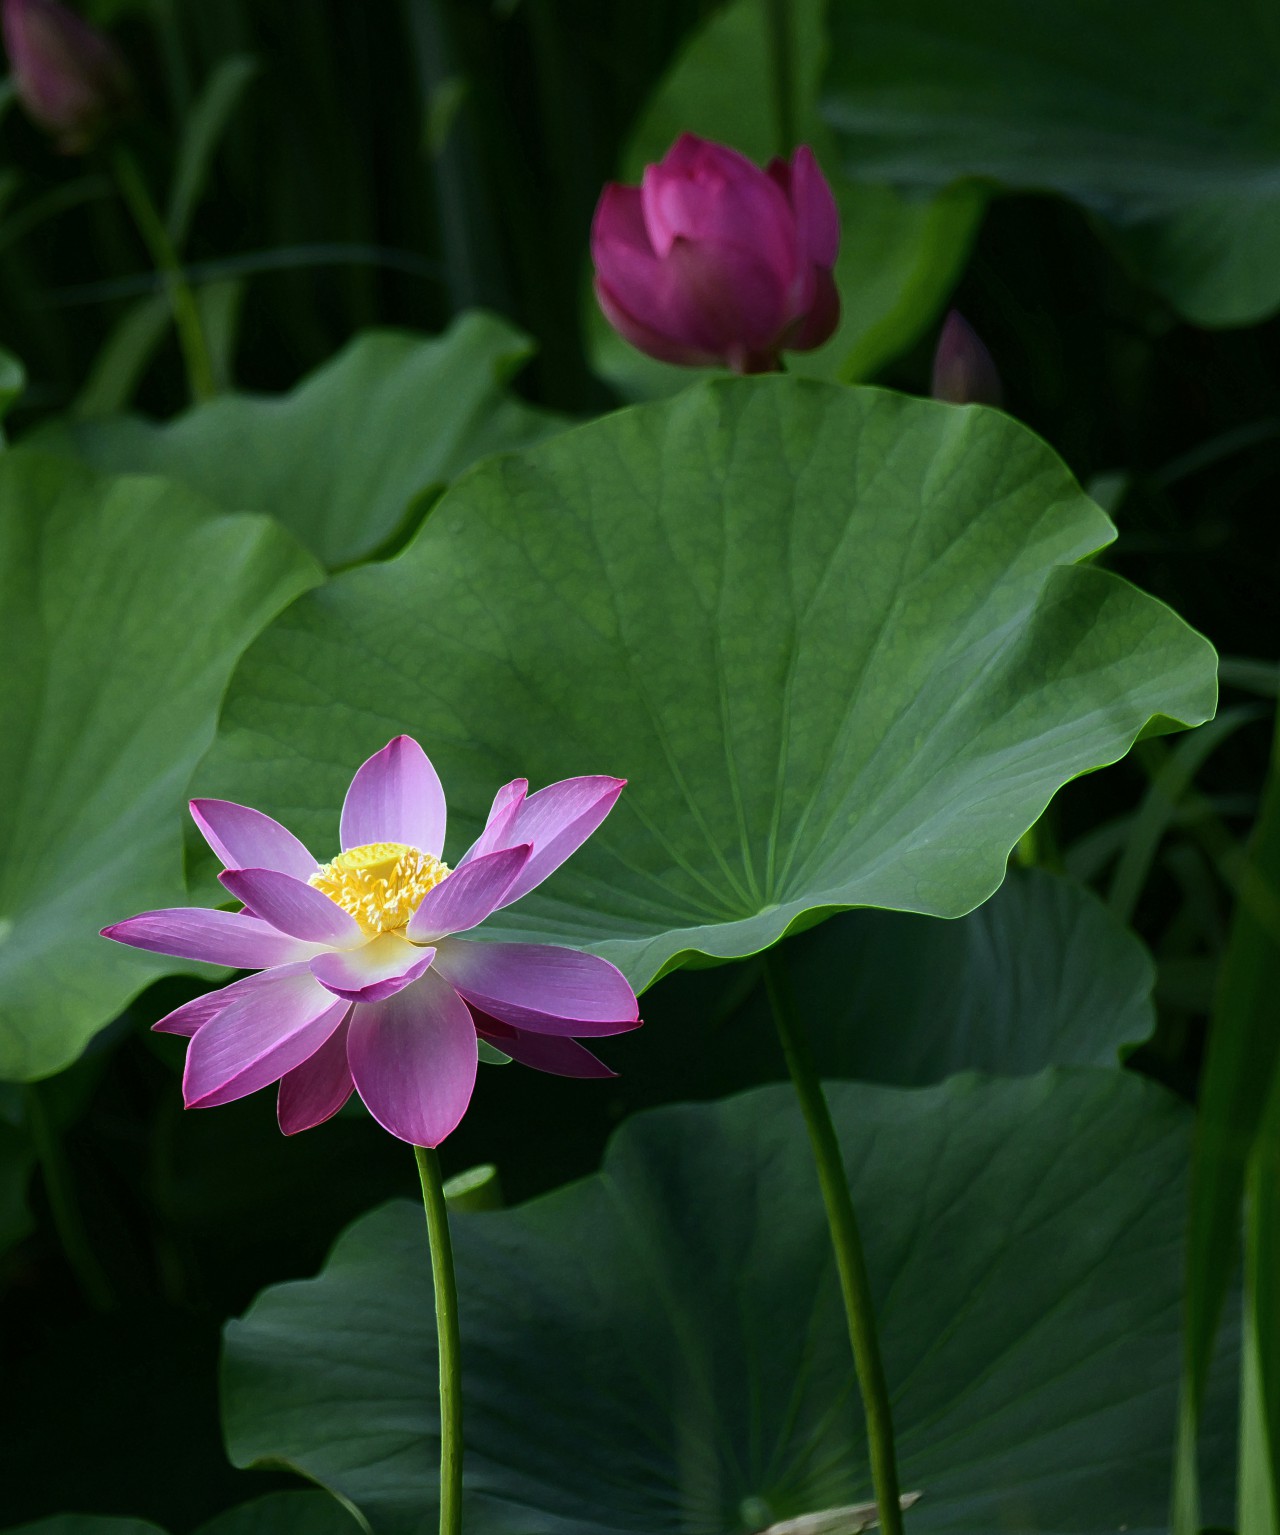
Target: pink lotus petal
191 1015
648 340
294 907
414 1060
658 297
469 894
373 973
619 221
260 1036
712 195
543 1052
540 986
217 937
502 812
817 217
395 797
818 324
247 839
185 1020
316 1090
557 820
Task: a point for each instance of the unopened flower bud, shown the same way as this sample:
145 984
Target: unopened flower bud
69 77
712 260
963 372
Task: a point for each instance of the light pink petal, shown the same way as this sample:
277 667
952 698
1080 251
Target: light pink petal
187 1019
816 214
371 974
557 820
294 907
540 986
260 1036
247 839
191 1015
469 894
414 1060
316 1090
544 1052
502 812
217 937
395 797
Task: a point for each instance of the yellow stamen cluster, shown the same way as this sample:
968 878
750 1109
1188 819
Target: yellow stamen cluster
380 884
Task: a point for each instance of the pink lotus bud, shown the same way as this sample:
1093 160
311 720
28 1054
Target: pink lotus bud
70 78
963 371
712 260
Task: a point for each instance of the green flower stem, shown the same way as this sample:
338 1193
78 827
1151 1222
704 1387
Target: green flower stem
186 316
448 1341
850 1262
63 1207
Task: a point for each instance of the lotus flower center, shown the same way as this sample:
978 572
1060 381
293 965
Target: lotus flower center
380 884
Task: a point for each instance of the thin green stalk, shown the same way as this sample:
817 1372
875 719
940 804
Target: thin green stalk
448 1341
186 315
63 1206
782 62
854 1284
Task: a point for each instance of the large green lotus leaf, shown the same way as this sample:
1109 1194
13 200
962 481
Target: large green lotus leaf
661 1347
899 256
1040 975
1162 118
834 638
279 1513
348 458
126 603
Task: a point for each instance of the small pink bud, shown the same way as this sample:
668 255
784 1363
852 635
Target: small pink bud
712 260
963 372
69 77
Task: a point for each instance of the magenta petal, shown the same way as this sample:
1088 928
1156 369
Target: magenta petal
187 1019
540 986
194 1014
502 812
546 1052
247 839
217 937
294 907
557 820
816 214
373 973
712 195
818 324
469 894
257 1038
316 1090
395 797
414 1060
619 220
647 340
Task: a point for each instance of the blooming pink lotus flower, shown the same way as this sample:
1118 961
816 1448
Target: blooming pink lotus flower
70 78
363 980
712 260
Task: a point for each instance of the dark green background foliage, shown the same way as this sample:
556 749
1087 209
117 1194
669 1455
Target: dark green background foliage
766 603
